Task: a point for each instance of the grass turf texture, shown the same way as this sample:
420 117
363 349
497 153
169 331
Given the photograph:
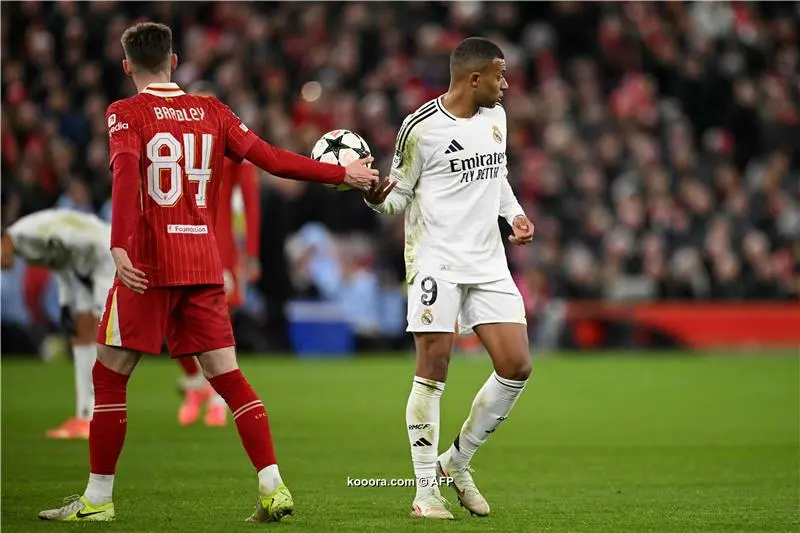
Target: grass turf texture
596 443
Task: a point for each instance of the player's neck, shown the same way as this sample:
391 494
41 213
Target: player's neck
459 103
143 80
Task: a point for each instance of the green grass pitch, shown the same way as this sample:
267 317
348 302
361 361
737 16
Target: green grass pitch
597 443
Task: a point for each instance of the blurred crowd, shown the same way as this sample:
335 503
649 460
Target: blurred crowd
656 146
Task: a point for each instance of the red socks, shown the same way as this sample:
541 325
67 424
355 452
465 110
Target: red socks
250 417
189 365
110 420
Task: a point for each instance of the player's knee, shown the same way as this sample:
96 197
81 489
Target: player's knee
518 369
218 362
523 370
120 360
433 367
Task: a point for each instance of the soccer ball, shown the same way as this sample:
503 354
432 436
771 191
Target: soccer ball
340 147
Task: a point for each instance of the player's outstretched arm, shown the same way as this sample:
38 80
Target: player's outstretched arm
285 164
393 194
241 143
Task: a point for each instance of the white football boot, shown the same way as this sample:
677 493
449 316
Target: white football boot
430 504
468 494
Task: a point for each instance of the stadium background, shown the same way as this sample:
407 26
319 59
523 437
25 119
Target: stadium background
655 147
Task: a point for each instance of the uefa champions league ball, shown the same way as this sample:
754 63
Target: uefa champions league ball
340 147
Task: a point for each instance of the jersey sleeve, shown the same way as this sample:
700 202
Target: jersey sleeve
248 182
509 206
238 137
123 131
406 170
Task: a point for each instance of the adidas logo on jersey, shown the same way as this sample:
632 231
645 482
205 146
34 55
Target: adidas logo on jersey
422 442
454 147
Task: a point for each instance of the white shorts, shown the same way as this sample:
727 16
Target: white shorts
437 306
86 295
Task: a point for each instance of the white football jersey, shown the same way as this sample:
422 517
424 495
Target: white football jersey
63 239
452 183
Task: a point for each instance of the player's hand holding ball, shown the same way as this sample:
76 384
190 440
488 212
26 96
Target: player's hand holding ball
347 149
358 174
131 277
523 230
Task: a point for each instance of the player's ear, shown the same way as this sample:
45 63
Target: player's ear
475 79
126 67
173 62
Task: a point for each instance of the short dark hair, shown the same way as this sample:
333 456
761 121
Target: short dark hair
474 54
148 45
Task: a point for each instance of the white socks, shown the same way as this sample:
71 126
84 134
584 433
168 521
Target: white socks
422 421
84 357
99 489
490 407
269 479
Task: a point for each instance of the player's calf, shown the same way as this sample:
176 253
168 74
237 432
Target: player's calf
252 423
422 410
84 353
507 345
109 424
81 327
110 376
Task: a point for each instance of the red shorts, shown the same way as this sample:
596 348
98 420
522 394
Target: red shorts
193 318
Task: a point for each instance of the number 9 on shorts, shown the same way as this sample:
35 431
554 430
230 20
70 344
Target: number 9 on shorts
433 305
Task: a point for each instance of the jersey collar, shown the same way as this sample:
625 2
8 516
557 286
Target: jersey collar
165 90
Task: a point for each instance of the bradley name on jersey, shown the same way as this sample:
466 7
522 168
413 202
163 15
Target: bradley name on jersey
193 114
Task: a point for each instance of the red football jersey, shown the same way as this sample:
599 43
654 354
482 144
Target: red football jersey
181 142
244 175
